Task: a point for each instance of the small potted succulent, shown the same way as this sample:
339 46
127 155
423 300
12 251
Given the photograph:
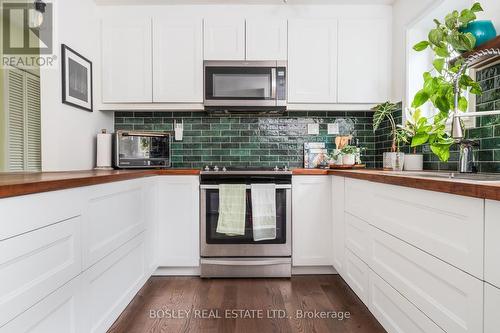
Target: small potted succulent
348 154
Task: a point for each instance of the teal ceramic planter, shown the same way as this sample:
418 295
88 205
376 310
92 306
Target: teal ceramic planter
483 30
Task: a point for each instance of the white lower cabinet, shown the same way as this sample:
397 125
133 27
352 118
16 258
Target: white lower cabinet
357 238
395 312
452 298
110 285
492 243
311 222
338 223
178 225
60 312
35 264
356 273
491 308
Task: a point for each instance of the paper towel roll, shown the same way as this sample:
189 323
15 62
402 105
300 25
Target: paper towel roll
104 150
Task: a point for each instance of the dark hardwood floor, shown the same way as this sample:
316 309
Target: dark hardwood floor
162 298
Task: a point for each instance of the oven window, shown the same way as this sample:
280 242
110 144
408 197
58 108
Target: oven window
238 83
144 147
212 216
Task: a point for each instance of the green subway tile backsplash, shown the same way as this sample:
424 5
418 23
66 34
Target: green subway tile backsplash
248 140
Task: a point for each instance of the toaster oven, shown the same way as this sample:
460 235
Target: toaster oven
133 149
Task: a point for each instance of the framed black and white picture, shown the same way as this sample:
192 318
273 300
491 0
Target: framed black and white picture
76 79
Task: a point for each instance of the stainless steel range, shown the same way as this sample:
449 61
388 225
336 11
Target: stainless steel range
240 255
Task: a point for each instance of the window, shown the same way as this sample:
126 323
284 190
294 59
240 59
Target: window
21 121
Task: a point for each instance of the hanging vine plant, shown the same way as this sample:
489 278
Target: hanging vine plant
447 42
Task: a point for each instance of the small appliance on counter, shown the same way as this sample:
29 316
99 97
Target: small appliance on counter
133 149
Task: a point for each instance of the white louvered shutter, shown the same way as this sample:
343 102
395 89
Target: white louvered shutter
33 160
15 122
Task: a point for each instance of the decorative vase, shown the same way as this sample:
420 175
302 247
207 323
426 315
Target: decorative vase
348 159
387 160
398 160
414 162
483 30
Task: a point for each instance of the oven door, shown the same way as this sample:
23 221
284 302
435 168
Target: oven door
233 83
213 244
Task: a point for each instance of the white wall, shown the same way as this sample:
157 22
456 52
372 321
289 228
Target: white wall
68 133
491 12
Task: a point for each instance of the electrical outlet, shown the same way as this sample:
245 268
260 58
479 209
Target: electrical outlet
313 129
333 128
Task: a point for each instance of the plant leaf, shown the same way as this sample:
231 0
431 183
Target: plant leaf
420 98
421 46
436 36
441 150
419 139
442 52
462 104
466 16
476 7
438 64
442 104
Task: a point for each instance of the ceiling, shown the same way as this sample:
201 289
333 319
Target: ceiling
246 2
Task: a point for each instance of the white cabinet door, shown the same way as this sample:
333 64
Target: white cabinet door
126 61
491 243
364 68
177 60
312 61
394 312
356 274
266 39
110 285
60 312
491 308
224 39
178 221
311 221
338 225
35 264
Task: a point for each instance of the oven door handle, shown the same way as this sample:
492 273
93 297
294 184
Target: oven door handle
216 187
265 262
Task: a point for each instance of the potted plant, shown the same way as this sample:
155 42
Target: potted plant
348 154
414 122
385 111
448 40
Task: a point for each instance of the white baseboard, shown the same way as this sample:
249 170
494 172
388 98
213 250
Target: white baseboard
180 271
309 270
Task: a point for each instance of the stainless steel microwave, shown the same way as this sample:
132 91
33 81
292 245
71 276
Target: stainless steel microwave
244 85
133 149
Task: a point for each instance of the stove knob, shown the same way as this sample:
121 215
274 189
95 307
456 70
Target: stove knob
207 168
216 168
276 168
224 169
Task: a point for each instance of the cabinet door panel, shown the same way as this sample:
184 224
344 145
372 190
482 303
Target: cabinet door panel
338 225
179 221
311 221
35 264
357 275
126 61
177 61
224 39
364 59
312 61
492 243
266 39
491 308
357 236
450 297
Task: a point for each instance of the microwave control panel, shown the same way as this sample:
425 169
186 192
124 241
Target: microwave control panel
281 83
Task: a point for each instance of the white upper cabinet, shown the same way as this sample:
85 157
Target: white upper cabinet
224 39
266 39
177 60
126 61
312 61
364 60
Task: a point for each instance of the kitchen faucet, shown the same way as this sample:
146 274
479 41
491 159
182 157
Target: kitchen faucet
466 158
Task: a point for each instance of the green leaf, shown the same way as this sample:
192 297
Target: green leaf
471 38
420 98
441 150
442 52
466 16
476 7
382 111
438 64
462 104
451 20
421 46
466 41
442 104
436 37
419 139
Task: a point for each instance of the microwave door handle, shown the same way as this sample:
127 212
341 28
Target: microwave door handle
273 83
